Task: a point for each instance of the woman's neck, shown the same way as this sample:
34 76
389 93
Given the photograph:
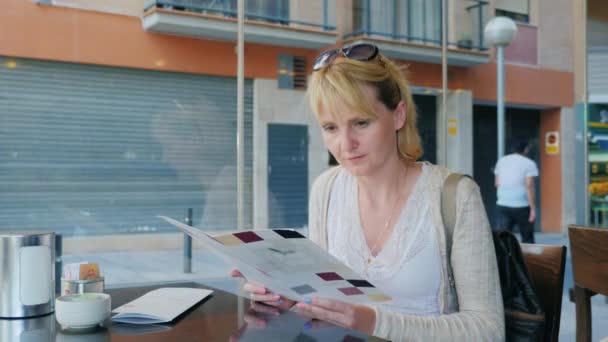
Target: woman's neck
385 185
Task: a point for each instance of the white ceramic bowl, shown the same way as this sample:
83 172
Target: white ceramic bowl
82 310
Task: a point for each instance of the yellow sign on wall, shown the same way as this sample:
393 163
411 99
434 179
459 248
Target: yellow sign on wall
452 127
552 142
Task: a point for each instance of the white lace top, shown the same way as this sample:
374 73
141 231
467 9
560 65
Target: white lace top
408 267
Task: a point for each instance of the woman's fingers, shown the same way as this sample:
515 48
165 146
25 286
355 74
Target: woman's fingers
236 274
255 288
263 308
269 298
259 293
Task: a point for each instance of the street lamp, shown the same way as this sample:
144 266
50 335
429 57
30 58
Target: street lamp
499 32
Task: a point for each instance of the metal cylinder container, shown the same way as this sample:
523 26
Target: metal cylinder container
95 285
35 329
27 271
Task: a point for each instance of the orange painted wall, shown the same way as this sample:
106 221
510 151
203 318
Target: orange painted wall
527 85
551 176
65 34
523 85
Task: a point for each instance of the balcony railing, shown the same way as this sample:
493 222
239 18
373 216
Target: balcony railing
419 21
274 12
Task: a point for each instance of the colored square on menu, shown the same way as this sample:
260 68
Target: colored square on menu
228 240
304 338
248 237
304 289
350 291
376 297
329 276
289 234
359 283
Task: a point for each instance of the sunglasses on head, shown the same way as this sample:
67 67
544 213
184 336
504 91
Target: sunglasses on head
359 52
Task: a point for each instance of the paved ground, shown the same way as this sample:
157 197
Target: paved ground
126 268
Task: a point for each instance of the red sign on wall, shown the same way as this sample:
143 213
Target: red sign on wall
552 142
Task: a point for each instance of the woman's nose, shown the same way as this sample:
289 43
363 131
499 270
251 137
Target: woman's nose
348 141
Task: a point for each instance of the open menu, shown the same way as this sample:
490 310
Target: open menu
160 305
287 263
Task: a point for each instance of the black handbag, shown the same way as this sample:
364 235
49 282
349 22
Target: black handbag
524 315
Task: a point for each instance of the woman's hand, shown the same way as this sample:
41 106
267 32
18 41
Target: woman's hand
260 294
352 316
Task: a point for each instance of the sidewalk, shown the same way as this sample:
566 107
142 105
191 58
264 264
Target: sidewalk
129 268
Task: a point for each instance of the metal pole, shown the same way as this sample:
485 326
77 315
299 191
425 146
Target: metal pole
187 252
500 93
368 17
586 204
240 126
325 16
58 261
444 82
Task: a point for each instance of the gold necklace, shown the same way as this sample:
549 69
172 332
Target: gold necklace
371 256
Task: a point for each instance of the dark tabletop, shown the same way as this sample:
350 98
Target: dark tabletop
220 317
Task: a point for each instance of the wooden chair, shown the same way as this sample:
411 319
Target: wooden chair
589 248
546 265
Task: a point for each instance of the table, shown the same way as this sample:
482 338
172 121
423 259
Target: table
221 317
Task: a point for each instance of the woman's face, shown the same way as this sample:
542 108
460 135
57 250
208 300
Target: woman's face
362 145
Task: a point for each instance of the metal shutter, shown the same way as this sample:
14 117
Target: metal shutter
598 74
97 150
287 175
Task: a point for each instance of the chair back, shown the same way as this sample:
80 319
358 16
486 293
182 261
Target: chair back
589 248
546 265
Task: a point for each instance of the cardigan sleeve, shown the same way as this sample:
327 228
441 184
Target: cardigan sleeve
318 203
315 214
480 316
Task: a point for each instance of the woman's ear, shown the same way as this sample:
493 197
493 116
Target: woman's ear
400 115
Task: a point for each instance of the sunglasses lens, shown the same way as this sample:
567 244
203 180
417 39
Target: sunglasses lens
325 59
362 52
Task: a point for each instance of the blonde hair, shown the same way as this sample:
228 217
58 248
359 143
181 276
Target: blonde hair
341 83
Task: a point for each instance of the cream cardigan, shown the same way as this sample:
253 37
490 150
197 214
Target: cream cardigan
475 311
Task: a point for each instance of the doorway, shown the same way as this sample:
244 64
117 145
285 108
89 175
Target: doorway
287 175
523 123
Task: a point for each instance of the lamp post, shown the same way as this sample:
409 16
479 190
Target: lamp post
499 32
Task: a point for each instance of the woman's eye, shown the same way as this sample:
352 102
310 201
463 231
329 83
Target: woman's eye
362 123
329 128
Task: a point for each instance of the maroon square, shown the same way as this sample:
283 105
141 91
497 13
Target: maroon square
248 237
350 291
329 276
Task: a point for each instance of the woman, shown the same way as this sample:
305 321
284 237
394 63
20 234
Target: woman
379 213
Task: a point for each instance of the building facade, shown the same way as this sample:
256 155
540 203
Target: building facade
112 112
591 69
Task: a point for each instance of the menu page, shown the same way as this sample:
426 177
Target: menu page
288 263
160 305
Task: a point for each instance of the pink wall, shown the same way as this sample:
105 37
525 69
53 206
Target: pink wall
524 48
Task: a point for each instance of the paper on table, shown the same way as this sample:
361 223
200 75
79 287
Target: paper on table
159 306
287 263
